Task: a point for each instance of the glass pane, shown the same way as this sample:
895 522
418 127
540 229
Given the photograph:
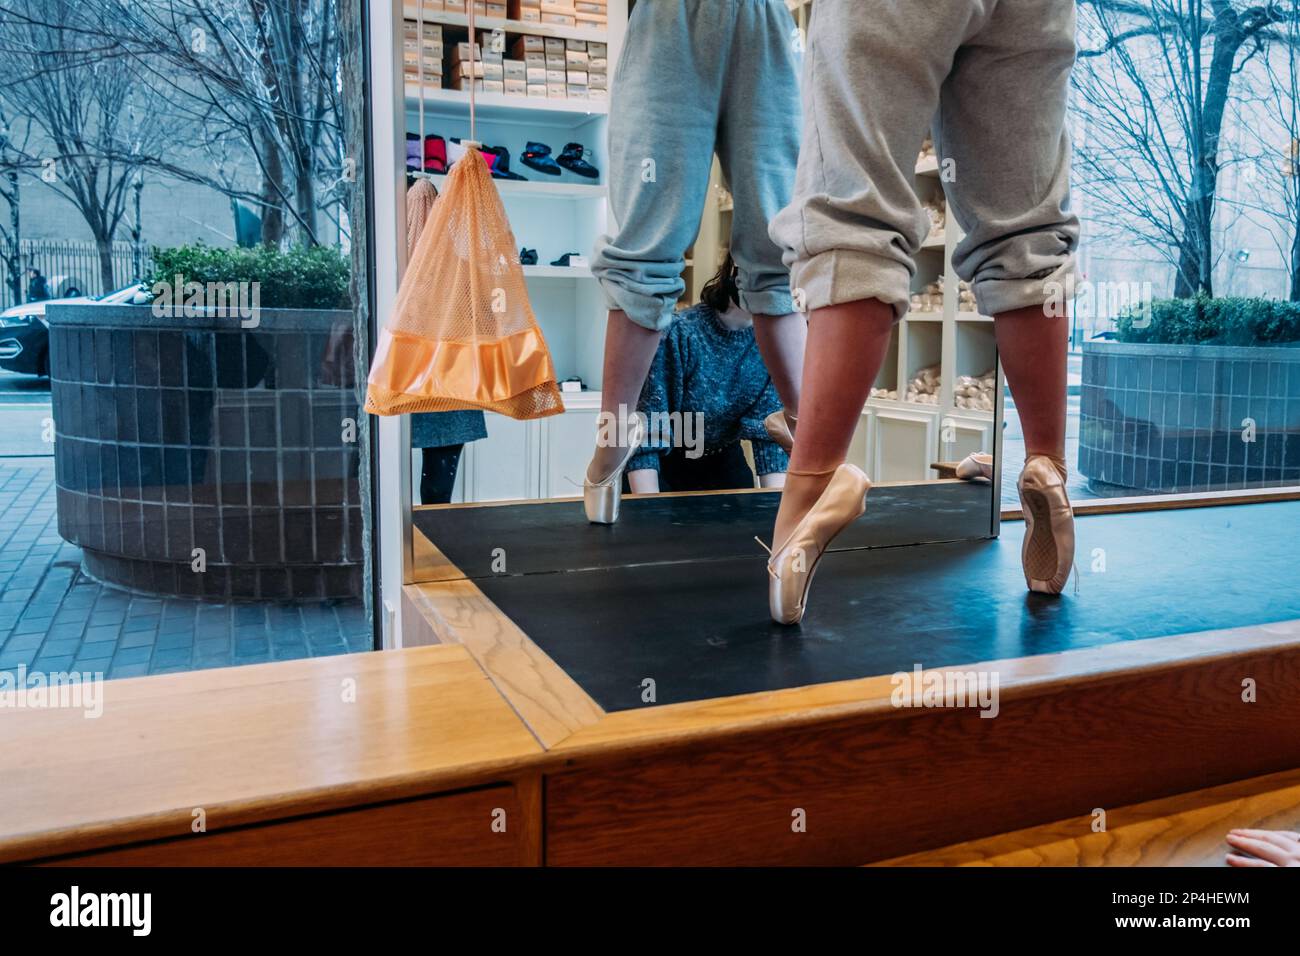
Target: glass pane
1184 375
181 440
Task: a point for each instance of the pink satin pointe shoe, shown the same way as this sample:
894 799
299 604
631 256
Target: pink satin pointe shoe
601 499
780 428
976 465
1048 550
790 567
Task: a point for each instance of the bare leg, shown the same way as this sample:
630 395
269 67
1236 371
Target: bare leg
1032 347
847 344
781 342
629 353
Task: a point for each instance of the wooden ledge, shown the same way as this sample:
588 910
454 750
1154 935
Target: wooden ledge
250 744
1183 830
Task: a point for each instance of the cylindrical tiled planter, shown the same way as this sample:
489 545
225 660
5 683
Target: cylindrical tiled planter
1180 418
175 434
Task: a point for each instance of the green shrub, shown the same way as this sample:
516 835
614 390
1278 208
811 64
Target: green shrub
1208 321
311 278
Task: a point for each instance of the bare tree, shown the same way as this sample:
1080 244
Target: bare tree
264 72
93 131
1154 82
1273 167
13 146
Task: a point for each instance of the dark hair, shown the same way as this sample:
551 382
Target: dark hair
721 292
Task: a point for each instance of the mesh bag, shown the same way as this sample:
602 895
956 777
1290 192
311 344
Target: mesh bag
462 334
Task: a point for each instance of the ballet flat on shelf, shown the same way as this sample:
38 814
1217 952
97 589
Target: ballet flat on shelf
778 429
976 465
601 498
1048 550
791 566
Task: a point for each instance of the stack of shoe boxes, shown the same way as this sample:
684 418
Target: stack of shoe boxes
431 37
561 13
527 11
597 70
575 66
487 70
531 51
556 69
591 13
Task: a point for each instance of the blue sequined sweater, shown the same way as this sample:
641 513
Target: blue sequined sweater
703 366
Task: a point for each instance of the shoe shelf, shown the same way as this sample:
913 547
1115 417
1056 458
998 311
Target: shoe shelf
538 189
440 102
557 272
446 18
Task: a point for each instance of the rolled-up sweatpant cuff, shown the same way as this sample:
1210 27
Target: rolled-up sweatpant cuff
648 310
995 296
772 302
849 275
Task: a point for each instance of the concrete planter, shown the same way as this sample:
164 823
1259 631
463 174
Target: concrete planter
1188 418
175 434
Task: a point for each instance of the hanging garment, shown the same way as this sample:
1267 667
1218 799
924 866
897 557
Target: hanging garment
463 334
419 204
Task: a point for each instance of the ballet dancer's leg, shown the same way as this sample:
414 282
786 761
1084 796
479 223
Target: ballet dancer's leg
847 344
758 143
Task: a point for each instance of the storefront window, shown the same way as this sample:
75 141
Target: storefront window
183 455
1184 376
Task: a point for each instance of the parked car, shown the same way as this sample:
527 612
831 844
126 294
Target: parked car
25 334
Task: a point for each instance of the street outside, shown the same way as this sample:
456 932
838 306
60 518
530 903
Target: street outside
55 618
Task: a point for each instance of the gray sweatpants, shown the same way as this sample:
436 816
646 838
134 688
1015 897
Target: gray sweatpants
697 76
993 77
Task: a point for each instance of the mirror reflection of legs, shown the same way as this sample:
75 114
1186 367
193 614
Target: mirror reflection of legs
810 281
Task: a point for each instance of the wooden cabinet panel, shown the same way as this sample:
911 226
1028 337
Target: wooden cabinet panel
452 830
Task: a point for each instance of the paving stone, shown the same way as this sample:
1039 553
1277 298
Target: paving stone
128 670
136 639
132 655
174 641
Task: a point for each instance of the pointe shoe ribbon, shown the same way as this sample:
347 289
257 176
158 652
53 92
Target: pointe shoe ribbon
791 566
601 499
1047 554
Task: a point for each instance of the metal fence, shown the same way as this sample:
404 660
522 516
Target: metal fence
71 267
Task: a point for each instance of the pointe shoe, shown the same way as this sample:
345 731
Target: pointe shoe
778 429
976 465
1048 551
791 566
601 498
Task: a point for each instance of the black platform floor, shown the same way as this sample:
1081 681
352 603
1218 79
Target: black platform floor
700 628
555 536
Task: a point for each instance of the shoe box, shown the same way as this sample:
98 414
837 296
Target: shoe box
481 9
565 13
431 40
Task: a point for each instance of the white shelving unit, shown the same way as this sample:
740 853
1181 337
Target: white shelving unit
898 440
554 215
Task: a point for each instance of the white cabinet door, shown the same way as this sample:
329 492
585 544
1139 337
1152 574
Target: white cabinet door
961 435
503 466
904 443
567 443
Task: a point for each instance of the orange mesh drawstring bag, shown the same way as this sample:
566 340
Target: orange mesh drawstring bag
463 334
